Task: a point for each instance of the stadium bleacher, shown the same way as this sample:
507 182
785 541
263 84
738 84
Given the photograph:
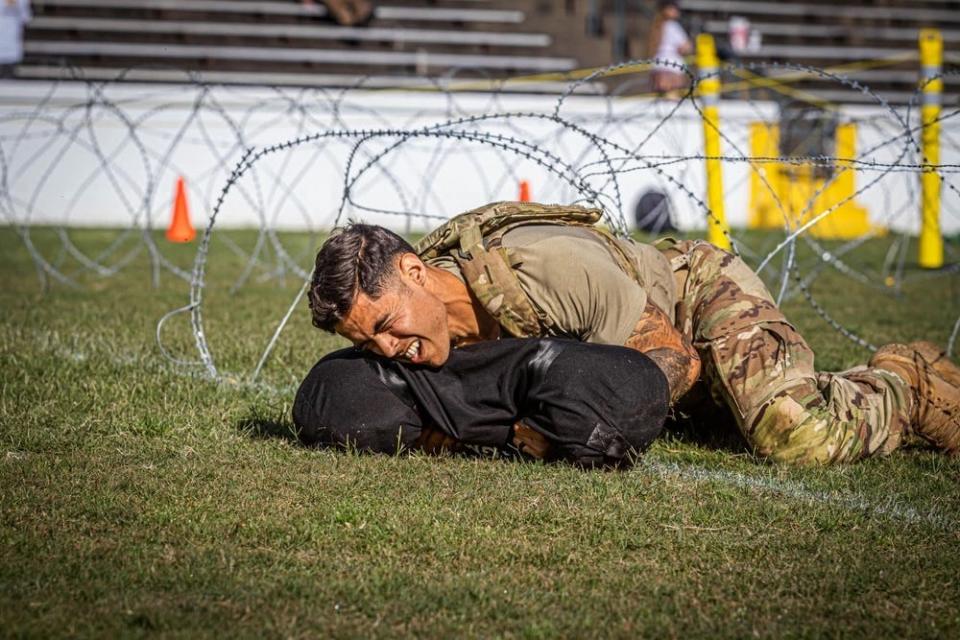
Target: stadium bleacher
873 41
285 42
249 40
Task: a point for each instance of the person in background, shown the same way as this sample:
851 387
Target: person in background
347 13
668 42
13 15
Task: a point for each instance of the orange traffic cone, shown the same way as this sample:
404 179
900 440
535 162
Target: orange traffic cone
524 191
180 229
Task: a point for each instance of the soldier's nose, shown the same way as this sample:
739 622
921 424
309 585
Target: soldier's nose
385 346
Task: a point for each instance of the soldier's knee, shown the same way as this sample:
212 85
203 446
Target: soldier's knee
792 430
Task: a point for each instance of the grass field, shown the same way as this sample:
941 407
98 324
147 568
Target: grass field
139 498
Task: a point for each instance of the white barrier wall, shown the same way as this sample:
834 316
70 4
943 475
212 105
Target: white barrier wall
83 155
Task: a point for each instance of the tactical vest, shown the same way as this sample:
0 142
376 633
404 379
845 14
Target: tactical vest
474 240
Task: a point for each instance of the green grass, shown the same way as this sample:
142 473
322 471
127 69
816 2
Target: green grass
139 498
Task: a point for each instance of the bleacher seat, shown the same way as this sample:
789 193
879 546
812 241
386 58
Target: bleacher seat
283 41
286 38
874 41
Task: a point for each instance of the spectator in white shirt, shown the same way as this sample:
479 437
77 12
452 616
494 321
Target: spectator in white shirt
668 42
13 15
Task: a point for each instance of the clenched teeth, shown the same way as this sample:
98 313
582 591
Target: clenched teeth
412 350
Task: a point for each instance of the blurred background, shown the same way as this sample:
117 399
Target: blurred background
289 42
108 105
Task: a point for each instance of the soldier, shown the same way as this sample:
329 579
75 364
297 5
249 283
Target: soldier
594 405
699 313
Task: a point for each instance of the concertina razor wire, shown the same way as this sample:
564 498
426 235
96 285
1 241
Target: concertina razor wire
395 164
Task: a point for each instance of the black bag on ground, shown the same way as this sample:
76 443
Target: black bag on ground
594 403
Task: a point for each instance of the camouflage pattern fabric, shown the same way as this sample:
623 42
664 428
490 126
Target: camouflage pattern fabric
756 364
492 220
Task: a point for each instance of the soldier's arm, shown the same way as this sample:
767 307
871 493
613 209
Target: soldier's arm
659 340
435 442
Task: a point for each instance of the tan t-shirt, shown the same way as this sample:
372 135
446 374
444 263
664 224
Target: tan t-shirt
569 274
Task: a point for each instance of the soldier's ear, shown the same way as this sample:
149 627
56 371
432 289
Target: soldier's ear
412 269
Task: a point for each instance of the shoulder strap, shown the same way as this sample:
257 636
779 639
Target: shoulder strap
497 216
493 281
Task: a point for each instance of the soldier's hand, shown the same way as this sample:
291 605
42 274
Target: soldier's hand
530 442
435 441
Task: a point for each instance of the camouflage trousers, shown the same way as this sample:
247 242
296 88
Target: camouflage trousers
755 363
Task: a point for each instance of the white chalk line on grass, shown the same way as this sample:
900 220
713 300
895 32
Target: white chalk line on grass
889 508
850 501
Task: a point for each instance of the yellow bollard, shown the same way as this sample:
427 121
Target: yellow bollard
709 92
931 61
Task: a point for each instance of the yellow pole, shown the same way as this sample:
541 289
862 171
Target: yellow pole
709 92
931 61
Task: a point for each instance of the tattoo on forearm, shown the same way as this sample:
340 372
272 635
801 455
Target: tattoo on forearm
656 337
677 367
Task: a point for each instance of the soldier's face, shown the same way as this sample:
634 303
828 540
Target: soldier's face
406 322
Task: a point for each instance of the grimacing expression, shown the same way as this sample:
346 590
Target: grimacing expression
406 322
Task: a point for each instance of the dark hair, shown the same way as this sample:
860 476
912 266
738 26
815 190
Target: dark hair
358 257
